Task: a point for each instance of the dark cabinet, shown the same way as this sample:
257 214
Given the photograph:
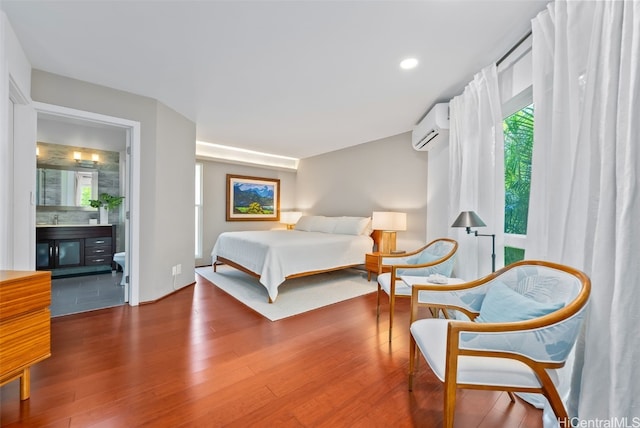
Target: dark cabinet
59 253
98 251
75 249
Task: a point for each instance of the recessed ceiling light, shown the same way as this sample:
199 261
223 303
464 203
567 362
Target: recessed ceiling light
409 63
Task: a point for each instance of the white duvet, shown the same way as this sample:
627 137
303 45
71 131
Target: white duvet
276 254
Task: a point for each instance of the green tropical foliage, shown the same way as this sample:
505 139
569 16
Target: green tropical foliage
106 200
518 147
512 255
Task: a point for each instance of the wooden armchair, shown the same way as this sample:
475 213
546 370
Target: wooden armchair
526 319
437 257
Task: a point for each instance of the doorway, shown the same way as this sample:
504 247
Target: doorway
60 119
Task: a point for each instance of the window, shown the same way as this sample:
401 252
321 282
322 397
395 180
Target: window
198 217
518 147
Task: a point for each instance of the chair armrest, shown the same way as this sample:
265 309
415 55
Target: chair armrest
400 256
547 339
465 297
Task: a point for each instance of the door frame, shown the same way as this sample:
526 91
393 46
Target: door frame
132 190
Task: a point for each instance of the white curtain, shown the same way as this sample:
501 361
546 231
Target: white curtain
585 205
476 171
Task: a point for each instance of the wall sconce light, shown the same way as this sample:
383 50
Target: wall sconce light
290 218
469 219
388 223
86 163
37 151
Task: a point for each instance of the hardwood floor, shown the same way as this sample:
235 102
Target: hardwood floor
199 358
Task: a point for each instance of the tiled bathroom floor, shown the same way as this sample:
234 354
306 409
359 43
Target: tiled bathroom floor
85 293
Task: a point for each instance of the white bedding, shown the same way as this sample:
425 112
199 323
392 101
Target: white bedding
276 254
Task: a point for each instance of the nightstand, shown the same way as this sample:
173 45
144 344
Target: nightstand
373 263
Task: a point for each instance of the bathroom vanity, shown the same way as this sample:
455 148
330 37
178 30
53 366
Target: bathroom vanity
75 249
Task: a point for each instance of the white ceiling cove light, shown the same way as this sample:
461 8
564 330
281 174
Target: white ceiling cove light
409 63
234 154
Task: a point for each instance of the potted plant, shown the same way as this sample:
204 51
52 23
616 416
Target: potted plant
106 202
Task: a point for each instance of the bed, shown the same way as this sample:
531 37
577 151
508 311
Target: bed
317 244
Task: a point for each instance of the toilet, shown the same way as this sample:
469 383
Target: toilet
120 258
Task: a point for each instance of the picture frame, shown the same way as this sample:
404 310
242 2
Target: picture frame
252 198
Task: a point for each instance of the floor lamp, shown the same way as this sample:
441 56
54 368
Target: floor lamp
469 219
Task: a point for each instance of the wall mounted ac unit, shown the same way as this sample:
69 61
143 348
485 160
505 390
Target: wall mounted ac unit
433 127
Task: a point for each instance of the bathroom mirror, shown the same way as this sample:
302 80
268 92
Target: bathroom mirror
66 188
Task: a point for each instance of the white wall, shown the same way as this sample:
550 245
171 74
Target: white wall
17 154
173 216
382 175
166 162
77 134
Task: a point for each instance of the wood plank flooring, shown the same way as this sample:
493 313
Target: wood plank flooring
199 358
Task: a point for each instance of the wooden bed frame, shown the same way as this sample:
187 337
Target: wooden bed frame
375 235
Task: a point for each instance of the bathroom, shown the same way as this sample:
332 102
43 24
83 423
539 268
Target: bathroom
77 162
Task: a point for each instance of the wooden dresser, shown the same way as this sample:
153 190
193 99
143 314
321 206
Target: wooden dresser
25 324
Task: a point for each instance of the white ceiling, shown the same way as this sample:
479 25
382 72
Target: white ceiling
293 78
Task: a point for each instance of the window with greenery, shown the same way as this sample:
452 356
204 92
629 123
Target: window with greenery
518 147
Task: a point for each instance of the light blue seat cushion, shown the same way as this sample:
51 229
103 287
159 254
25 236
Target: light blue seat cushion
503 304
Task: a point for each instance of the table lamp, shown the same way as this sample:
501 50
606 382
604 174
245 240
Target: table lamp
388 223
290 218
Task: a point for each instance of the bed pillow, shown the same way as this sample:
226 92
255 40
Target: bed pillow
325 225
368 230
304 223
503 304
352 225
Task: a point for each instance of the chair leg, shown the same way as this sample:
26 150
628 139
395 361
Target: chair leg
512 396
378 303
558 406
449 404
412 361
392 304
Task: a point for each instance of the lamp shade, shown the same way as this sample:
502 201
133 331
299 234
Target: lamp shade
468 219
290 217
385 220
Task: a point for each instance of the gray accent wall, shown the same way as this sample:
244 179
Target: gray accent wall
214 196
166 175
382 175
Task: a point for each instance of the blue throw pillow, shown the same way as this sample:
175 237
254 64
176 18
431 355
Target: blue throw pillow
426 257
503 304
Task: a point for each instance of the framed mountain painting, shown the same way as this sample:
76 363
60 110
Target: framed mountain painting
252 198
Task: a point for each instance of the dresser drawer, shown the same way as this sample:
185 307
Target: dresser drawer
372 262
23 292
97 251
97 242
98 260
24 340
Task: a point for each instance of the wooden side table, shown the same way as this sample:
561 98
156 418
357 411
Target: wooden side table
373 264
